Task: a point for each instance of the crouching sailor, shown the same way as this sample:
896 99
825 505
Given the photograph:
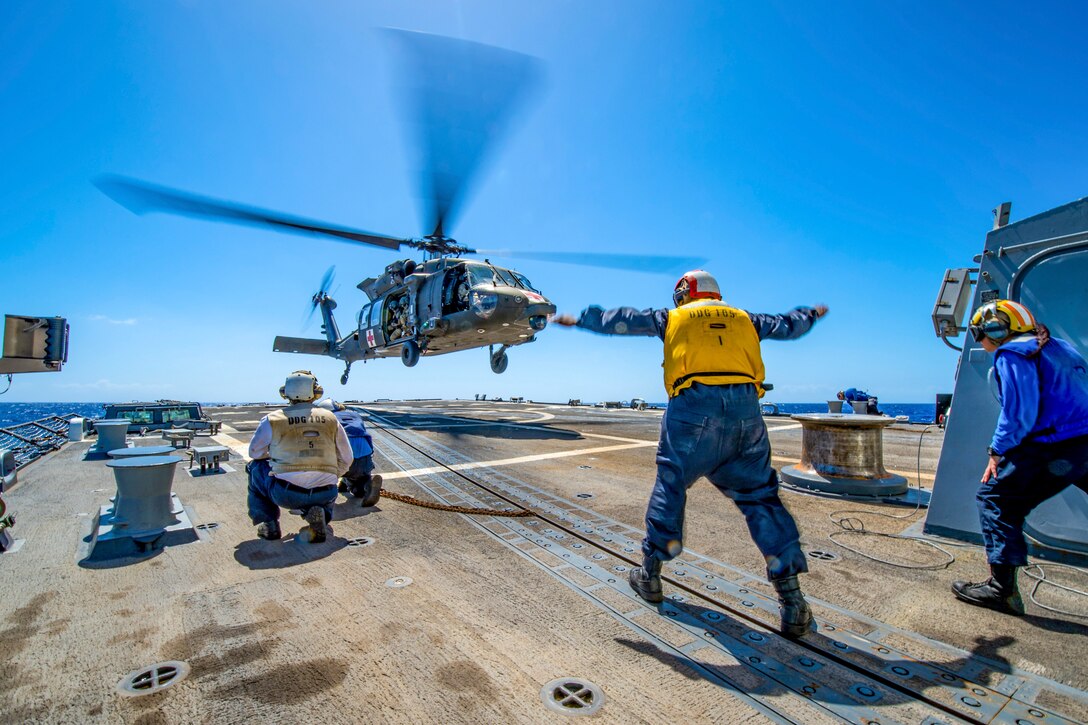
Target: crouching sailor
298 455
713 427
1040 445
359 481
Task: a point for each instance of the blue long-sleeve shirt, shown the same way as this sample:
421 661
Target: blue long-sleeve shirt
1050 408
852 394
653 322
361 442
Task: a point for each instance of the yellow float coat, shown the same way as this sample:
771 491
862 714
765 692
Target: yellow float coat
709 342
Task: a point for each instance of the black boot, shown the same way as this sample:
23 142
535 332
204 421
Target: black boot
999 592
372 491
269 530
796 616
646 580
315 518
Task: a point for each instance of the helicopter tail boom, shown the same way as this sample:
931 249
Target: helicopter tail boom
301 345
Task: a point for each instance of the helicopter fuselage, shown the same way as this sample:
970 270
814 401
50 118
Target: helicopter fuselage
443 305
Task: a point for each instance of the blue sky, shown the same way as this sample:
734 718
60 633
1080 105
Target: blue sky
844 153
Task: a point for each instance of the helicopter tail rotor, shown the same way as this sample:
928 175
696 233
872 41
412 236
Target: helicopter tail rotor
322 293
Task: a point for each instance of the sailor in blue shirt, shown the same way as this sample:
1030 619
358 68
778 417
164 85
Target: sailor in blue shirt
360 480
852 394
1040 445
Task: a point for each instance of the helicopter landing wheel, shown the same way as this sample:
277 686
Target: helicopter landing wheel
499 362
409 353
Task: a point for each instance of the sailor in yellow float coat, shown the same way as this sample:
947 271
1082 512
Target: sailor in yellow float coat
713 427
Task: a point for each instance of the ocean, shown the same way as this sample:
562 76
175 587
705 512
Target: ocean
15 413
915 412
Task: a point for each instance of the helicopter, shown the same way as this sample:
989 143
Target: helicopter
463 92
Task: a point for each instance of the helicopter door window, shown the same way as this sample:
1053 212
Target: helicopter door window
364 317
455 290
376 315
398 324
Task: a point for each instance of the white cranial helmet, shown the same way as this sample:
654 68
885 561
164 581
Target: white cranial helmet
695 285
301 387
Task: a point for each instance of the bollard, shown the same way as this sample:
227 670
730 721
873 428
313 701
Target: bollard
834 406
844 454
146 515
140 451
111 434
143 502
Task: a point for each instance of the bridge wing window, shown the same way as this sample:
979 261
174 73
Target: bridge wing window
137 417
171 414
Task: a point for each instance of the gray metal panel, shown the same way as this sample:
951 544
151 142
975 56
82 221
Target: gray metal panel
1043 262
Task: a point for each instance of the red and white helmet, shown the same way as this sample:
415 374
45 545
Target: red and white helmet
696 285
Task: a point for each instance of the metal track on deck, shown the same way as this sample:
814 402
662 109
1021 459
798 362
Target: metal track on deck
722 623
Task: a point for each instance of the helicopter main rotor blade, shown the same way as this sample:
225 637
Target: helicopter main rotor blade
634 262
141 197
461 95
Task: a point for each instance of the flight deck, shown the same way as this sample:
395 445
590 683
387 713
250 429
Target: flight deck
492 586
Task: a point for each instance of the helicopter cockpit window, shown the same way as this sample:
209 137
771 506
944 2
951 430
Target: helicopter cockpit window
506 277
364 317
375 314
524 281
479 274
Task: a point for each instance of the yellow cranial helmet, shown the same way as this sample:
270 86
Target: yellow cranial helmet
998 319
301 387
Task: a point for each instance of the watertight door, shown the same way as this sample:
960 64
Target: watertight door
1063 520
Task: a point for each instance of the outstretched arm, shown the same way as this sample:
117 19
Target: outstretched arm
618 321
788 326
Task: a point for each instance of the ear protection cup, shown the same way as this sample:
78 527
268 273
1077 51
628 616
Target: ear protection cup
303 387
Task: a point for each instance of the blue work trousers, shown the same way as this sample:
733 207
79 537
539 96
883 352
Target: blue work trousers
717 431
268 493
1027 475
359 473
